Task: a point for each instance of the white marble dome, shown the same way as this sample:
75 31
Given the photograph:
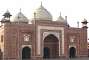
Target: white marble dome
61 19
21 18
42 14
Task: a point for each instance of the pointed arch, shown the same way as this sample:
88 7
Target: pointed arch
51 43
56 34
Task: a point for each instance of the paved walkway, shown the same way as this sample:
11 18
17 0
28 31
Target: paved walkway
87 58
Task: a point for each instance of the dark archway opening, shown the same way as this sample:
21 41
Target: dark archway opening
26 53
1 55
88 52
46 52
72 52
51 47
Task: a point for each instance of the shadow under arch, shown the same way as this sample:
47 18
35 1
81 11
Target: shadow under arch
26 53
72 52
51 46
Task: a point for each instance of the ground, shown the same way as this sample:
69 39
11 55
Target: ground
87 58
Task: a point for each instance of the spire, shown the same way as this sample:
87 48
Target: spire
7 11
78 24
19 13
60 13
20 10
41 4
34 15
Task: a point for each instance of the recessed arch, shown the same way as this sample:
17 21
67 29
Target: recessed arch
51 43
26 53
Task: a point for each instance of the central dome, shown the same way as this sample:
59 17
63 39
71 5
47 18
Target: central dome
42 14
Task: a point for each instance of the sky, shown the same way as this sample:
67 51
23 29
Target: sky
75 10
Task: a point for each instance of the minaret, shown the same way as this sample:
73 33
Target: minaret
78 24
84 23
6 17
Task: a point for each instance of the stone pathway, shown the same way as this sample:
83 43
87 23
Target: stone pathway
87 58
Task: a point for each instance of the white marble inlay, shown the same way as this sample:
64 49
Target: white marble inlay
27 37
45 34
49 28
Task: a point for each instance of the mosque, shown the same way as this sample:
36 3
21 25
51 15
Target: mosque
43 38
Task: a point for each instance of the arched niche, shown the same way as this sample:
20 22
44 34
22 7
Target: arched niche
52 43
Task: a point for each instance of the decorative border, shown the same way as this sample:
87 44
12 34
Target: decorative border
48 28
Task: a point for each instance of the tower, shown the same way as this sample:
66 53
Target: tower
6 17
84 23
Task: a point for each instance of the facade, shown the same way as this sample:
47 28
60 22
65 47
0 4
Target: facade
41 39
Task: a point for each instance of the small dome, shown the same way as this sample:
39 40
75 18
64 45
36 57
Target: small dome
3 20
20 18
61 19
84 20
42 14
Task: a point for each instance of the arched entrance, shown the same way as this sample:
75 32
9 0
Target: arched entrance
51 47
72 52
26 53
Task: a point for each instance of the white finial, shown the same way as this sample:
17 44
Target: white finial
34 15
20 10
78 24
7 11
85 19
41 3
66 19
60 13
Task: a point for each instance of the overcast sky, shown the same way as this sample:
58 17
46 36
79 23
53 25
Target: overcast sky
76 10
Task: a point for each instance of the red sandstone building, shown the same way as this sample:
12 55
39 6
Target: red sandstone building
42 38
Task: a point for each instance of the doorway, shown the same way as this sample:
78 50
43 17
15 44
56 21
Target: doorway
72 52
26 53
46 52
